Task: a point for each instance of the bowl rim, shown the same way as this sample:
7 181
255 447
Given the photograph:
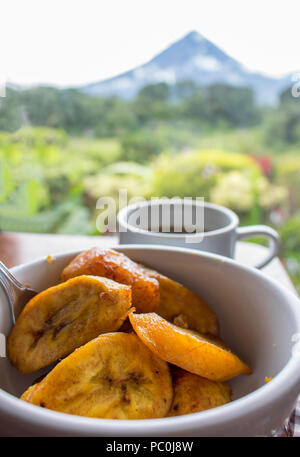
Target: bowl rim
258 400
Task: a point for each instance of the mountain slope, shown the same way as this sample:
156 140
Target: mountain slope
192 58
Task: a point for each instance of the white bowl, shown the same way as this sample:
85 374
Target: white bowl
259 319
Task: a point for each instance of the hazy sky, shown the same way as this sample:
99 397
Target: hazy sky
70 42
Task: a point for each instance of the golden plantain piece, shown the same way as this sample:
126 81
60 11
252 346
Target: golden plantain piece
64 317
193 393
27 395
183 307
114 376
29 391
199 354
116 266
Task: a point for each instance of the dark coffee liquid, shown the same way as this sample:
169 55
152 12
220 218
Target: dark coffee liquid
175 231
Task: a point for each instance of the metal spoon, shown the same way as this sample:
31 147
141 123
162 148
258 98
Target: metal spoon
17 294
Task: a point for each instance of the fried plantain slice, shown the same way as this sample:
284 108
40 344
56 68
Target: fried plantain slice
193 393
116 266
183 307
114 376
61 318
28 393
199 354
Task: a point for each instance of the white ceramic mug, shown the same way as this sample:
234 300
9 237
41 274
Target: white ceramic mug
217 230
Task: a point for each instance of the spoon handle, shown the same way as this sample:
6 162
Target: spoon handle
17 294
10 286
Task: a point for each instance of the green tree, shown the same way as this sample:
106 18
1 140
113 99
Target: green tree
184 89
141 146
114 118
10 111
234 105
196 108
43 106
152 103
282 126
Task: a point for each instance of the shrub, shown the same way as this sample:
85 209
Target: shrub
196 173
237 191
38 136
141 146
287 173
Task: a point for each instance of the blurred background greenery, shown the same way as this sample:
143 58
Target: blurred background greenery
60 150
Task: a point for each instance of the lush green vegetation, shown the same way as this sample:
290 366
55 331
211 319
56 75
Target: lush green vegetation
60 150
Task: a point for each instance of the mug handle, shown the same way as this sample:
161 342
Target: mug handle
265 231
